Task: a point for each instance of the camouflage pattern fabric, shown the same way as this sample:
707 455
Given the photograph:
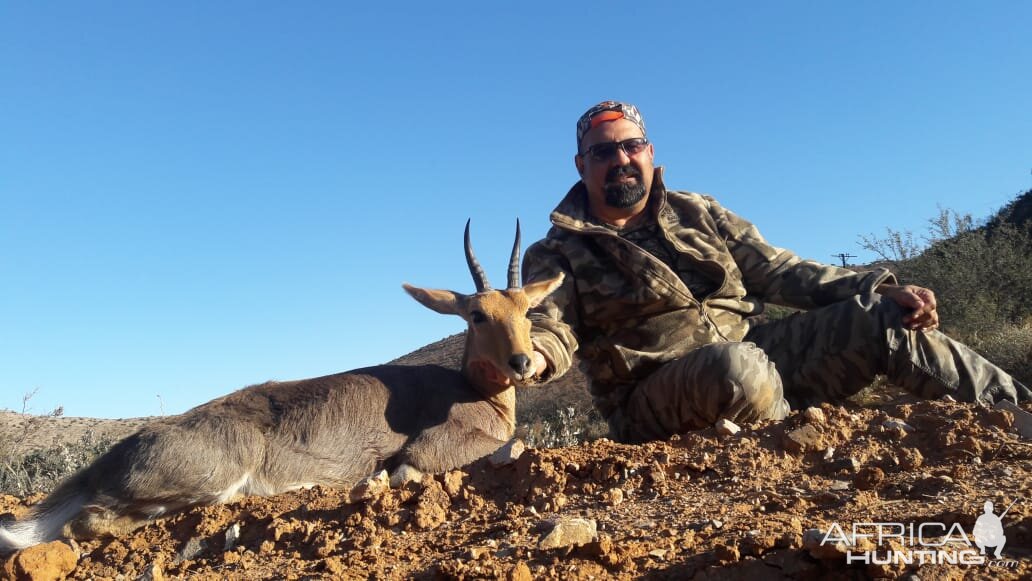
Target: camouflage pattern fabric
624 110
831 353
826 354
627 314
735 381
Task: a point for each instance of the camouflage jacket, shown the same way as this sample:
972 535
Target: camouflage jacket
625 312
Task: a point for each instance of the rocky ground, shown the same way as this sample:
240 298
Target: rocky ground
755 504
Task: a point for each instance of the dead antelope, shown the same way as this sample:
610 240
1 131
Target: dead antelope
332 431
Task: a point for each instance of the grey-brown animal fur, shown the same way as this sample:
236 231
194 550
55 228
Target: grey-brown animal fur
332 430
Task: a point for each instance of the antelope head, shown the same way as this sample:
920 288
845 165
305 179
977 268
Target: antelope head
498 331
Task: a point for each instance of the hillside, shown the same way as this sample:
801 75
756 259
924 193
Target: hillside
1017 212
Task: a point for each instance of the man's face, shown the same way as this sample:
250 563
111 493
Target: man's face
621 180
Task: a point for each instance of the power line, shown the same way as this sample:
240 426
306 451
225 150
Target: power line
843 257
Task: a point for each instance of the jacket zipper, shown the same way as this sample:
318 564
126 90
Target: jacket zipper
687 295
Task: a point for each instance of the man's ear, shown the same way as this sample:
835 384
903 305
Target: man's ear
537 291
445 302
578 161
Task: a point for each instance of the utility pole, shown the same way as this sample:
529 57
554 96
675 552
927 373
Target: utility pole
843 257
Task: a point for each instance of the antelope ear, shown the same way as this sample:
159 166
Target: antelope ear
537 291
445 302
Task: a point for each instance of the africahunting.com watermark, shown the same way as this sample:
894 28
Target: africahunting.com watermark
924 543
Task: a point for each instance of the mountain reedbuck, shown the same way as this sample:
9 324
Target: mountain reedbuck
334 430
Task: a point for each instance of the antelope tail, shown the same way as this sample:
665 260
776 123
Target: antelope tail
45 521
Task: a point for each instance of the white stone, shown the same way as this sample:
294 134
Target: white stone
507 454
370 487
893 423
232 535
833 549
726 427
814 415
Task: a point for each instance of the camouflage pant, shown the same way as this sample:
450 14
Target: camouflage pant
826 354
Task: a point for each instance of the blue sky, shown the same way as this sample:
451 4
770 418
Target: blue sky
199 196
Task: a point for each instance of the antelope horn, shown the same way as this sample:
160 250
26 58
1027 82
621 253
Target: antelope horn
514 262
479 278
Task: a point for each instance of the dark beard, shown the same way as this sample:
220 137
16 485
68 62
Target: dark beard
623 194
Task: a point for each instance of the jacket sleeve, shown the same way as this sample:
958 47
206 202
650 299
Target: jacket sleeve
553 321
779 276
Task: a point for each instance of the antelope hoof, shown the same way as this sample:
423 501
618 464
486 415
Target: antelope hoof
403 475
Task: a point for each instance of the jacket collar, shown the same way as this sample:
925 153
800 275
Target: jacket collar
572 212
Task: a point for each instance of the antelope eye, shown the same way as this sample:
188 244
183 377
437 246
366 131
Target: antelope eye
478 316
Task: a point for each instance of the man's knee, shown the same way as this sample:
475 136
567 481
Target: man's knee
744 364
753 389
735 381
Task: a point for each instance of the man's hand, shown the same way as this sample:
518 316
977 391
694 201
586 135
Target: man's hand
920 301
540 365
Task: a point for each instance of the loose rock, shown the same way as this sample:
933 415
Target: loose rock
45 562
519 572
569 532
232 534
1022 419
370 487
894 424
815 415
803 439
507 454
613 496
193 547
726 427
850 465
869 478
832 549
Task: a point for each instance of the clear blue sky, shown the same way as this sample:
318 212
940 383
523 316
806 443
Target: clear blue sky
196 196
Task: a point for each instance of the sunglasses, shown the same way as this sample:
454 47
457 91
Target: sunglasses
607 150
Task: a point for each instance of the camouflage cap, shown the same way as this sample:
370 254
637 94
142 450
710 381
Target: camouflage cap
608 111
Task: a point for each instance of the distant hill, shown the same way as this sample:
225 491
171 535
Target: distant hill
1018 213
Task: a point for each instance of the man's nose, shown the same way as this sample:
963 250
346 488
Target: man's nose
620 158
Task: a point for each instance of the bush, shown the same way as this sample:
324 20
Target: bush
563 427
41 470
556 415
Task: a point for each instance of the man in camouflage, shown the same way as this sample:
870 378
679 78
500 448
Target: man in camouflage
659 292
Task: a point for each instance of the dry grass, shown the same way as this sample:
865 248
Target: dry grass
1009 346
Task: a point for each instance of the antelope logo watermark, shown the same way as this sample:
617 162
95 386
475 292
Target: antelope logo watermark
925 543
